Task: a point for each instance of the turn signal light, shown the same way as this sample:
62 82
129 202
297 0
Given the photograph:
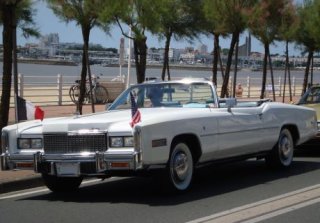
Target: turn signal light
24 165
119 165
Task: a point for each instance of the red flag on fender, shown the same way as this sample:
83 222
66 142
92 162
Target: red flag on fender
28 111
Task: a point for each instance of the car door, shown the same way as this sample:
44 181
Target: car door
240 131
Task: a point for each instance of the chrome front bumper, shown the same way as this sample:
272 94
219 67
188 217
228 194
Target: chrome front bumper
90 165
8 162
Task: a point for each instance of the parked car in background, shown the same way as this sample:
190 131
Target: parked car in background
168 127
311 99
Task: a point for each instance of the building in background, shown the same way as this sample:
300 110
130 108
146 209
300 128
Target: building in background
245 49
203 49
50 42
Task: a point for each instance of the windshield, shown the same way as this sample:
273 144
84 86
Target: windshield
151 95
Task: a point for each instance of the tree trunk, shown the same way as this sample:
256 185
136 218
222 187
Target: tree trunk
92 93
85 35
285 76
311 72
221 64
224 89
271 73
6 11
164 66
168 70
264 74
235 69
288 69
140 54
215 59
306 74
166 57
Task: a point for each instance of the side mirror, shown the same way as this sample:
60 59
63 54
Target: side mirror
230 103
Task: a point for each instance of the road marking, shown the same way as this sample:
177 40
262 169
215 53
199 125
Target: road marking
24 193
268 208
283 211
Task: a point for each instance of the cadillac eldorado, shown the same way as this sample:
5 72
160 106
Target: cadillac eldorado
171 126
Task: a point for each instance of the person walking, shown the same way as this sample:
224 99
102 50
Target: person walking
239 91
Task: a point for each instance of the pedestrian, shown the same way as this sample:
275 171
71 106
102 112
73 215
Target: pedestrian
239 91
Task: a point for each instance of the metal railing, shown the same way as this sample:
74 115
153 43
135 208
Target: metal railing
253 90
54 90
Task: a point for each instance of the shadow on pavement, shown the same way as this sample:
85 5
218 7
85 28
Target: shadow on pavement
309 149
209 182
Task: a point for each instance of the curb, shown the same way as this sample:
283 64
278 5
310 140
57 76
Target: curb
21 184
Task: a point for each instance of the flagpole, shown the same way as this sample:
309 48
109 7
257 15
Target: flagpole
129 58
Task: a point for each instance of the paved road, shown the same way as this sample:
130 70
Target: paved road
224 191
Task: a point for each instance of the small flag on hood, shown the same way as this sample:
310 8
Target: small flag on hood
135 113
28 111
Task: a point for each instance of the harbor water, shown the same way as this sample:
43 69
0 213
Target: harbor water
50 84
36 73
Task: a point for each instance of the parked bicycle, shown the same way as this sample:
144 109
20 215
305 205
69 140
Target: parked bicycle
99 92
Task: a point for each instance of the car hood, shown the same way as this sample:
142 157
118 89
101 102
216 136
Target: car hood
116 121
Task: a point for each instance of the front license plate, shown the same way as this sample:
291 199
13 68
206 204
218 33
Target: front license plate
68 169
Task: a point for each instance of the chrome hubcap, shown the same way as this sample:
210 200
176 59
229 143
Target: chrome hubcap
180 166
285 147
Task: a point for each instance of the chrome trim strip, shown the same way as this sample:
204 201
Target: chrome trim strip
248 130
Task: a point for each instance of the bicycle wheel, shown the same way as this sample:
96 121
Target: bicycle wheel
101 95
74 93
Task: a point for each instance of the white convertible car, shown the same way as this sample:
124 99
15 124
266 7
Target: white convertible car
174 126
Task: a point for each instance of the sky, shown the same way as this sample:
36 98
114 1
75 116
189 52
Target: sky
48 23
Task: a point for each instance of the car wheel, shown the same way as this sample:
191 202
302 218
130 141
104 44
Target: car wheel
282 153
180 167
61 184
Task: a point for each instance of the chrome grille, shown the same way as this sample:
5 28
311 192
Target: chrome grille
74 143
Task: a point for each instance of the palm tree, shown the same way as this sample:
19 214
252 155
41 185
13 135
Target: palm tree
176 19
212 27
85 14
307 34
14 13
232 20
287 30
138 15
264 24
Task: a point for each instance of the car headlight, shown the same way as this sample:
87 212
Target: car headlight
29 143
121 141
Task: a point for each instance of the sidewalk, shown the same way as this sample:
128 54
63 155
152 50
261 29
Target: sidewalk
23 179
